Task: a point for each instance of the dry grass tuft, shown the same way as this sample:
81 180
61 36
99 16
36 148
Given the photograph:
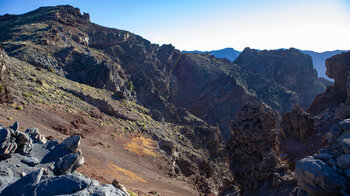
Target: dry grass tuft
141 146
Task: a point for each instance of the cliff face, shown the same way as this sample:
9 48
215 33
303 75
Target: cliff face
172 84
337 95
289 68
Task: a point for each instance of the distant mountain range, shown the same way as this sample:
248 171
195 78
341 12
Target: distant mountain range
318 58
228 53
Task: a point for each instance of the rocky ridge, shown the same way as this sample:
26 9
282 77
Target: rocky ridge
173 85
32 165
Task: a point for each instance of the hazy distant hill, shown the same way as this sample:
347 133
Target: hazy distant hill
319 60
228 53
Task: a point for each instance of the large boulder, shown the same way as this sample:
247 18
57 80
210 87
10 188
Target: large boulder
69 163
71 144
25 185
317 178
65 184
328 173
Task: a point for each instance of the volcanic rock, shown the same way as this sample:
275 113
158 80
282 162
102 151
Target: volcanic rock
253 146
297 124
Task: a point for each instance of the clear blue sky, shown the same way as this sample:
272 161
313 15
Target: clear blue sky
317 25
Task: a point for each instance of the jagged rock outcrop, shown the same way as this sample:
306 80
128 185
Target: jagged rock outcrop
289 68
328 173
299 136
337 95
253 148
206 174
297 124
48 168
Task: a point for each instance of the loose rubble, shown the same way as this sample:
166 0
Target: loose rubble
31 165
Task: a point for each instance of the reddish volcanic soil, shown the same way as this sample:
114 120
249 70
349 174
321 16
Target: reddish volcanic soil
108 154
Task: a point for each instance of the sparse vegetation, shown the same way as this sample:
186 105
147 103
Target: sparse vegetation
19 107
131 86
132 193
2 88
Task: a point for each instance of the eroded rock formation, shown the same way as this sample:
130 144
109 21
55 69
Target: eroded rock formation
297 124
253 148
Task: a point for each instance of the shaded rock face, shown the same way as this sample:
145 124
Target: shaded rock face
297 124
45 168
328 173
299 136
214 89
289 68
176 87
253 147
337 95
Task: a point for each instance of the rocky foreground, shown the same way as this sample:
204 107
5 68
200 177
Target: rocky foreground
31 165
328 173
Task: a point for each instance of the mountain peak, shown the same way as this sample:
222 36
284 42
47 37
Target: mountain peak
64 14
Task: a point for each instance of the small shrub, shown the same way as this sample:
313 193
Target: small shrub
132 193
131 86
13 105
19 107
51 70
10 118
26 94
2 88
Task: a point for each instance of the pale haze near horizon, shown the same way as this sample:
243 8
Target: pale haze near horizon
321 25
